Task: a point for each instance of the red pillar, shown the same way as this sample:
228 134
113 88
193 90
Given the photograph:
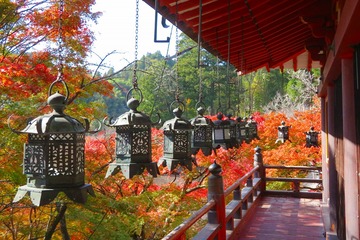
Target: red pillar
325 157
350 150
331 157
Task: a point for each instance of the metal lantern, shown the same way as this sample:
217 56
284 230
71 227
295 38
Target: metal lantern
221 132
253 132
312 138
283 133
242 131
177 147
233 141
54 156
133 143
201 135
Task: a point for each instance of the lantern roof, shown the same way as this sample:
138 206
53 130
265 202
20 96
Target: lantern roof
201 120
56 121
220 120
133 116
176 123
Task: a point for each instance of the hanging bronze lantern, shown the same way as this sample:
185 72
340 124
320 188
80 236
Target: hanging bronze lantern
133 131
177 147
221 132
253 131
233 140
54 155
242 131
283 133
312 138
133 142
201 135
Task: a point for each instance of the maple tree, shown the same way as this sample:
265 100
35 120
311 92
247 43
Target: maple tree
29 63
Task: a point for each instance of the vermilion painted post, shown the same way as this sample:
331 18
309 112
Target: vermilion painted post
258 161
216 192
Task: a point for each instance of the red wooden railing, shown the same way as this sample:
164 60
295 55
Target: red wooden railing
225 220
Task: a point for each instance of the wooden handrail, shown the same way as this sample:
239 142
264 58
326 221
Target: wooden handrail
181 229
292 167
296 182
283 179
238 182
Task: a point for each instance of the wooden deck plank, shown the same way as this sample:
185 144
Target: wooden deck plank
284 218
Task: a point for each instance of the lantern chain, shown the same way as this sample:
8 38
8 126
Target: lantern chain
199 51
135 84
217 70
228 59
177 56
200 78
217 77
60 42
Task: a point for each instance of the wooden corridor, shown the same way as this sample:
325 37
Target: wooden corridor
282 218
251 211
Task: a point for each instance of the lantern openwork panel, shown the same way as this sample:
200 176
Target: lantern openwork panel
242 131
54 160
202 136
133 143
221 132
177 144
233 142
283 133
312 138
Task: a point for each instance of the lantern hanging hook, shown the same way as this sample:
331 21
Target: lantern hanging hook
158 120
9 125
65 86
129 93
87 126
181 105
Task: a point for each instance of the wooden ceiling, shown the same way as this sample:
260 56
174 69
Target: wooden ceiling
255 34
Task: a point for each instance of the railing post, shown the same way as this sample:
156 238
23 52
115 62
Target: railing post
216 192
296 186
237 196
249 183
258 161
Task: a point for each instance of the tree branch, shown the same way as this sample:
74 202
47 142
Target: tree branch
61 208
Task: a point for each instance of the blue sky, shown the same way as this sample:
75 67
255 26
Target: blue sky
116 31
